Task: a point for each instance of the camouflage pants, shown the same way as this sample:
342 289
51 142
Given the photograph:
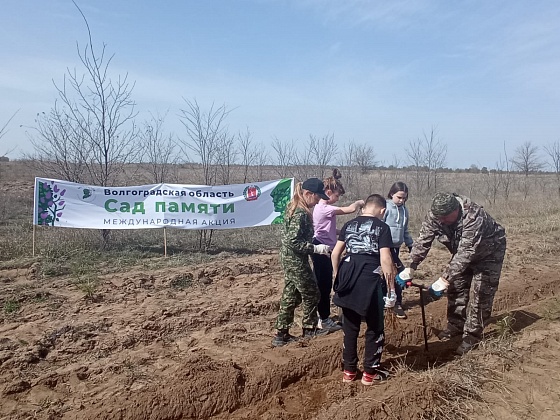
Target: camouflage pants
300 287
469 312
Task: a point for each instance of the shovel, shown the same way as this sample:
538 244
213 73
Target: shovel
424 326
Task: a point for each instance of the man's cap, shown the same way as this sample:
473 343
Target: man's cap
315 185
444 203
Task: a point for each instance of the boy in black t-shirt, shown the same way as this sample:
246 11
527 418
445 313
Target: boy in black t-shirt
358 287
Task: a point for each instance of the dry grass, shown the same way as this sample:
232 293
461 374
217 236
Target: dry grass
455 390
504 326
391 321
551 309
520 215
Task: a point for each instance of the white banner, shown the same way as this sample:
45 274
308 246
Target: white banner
67 204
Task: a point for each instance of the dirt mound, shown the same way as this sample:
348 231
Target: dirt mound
194 343
532 384
202 387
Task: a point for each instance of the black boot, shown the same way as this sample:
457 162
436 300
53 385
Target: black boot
449 333
314 332
469 343
282 338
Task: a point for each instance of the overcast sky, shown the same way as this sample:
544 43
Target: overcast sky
483 72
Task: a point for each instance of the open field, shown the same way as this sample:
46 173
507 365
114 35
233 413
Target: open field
125 333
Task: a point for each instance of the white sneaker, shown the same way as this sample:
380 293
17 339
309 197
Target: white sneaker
329 324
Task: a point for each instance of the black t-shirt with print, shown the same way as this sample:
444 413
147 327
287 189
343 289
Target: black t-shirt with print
366 235
358 279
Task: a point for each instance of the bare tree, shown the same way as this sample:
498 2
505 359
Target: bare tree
252 156
492 182
553 151
159 150
262 159
499 179
504 166
315 157
206 134
415 156
58 151
4 130
396 162
204 130
321 152
286 155
225 158
527 160
364 157
303 167
385 179
435 155
356 158
90 132
347 162
248 153
427 155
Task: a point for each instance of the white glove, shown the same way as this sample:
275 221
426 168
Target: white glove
390 299
440 285
437 288
321 249
407 273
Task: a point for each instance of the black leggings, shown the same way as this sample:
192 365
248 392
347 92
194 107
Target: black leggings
375 336
322 268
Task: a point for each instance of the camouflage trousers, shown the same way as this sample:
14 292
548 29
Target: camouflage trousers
471 296
300 287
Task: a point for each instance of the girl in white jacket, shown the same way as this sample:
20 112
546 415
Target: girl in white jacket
396 216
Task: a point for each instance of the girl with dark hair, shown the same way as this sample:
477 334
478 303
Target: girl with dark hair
396 216
324 223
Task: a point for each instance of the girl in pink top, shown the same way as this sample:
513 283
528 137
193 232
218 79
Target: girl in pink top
324 224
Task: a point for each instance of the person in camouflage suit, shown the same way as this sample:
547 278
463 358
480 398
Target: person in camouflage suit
478 245
300 286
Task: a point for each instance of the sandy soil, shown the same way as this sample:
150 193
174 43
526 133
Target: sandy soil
194 343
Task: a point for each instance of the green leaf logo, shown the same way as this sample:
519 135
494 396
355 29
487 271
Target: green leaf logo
281 196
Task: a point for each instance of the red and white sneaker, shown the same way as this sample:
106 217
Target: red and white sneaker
379 375
349 376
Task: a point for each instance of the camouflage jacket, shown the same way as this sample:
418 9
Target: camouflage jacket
297 236
472 238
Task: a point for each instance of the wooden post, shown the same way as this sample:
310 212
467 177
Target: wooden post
33 239
164 242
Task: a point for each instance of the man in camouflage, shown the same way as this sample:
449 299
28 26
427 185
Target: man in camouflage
477 244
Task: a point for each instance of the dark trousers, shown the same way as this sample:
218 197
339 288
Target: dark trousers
400 267
374 337
322 268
